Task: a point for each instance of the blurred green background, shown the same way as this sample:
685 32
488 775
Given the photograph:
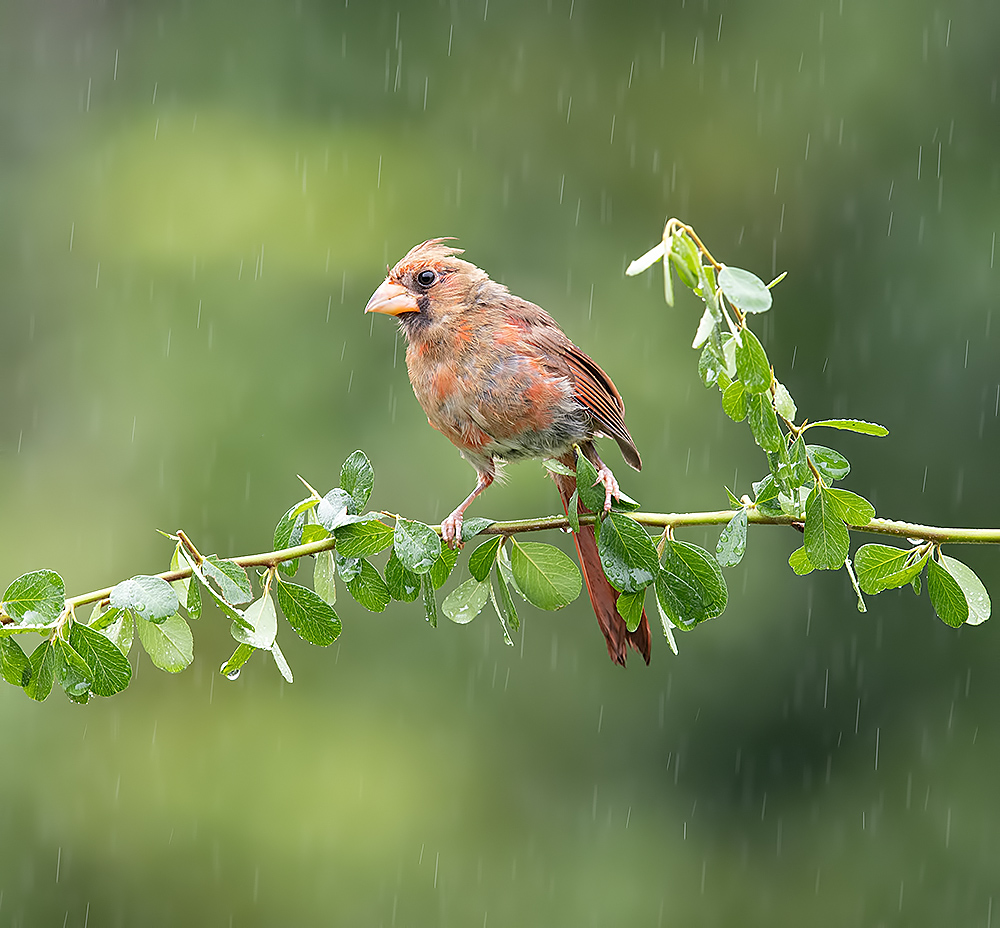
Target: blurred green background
196 200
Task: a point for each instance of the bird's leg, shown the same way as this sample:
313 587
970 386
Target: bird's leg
604 476
451 528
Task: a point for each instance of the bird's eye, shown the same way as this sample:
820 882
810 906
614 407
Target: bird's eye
426 277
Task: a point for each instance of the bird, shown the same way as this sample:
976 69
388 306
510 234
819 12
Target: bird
496 375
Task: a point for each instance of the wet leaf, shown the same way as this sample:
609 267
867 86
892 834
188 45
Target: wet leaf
72 671
763 422
402 584
732 540
472 527
690 587
591 493
648 259
852 425
752 366
43 668
430 604
110 668
118 625
149 598
281 663
854 509
705 328
35 599
766 496
325 577
288 532
417 545
686 259
972 588
368 588
783 403
544 574
313 619
262 618
832 465
363 539
627 553
231 668
335 508
629 606
232 579
481 560
169 644
826 538
357 478
745 290
946 595
14 665
466 601
503 603
734 401
443 566
799 561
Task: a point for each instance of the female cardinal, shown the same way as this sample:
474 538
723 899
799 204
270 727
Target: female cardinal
498 377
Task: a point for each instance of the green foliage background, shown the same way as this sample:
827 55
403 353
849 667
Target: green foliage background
196 201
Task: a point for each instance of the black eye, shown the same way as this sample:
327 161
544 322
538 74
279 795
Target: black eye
426 277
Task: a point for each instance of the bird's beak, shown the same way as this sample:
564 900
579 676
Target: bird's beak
392 299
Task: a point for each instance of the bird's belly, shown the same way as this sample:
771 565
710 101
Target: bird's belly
510 409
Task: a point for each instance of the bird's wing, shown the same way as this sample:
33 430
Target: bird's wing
591 385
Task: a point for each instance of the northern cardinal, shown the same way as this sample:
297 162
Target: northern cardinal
498 377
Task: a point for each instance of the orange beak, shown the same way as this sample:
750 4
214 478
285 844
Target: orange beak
392 299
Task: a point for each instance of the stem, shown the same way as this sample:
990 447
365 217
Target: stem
666 520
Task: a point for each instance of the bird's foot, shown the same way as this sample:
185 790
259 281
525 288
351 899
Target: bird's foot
451 529
611 489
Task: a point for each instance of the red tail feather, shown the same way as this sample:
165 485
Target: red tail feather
603 596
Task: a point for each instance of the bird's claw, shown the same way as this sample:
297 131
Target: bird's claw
611 489
451 529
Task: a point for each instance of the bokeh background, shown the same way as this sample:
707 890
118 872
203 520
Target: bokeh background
196 200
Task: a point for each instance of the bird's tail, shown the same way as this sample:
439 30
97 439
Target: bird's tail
603 596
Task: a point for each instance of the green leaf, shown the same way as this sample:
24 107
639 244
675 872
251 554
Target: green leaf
826 538
732 540
313 531
799 561
14 665
627 553
403 584
288 532
192 602
784 405
231 668
443 566
417 545
110 668
368 588
591 493
883 567
752 366
854 582
946 595
281 663
262 618
544 574
118 625
573 511
690 587
734 401
35 599
852 425
763 422
325 577
667 625
169 644
686 259
335 508
430 604
745 290
711 364
481 560
149 598
72 671
43 668
832 465
313 620
557 467
362 539
854 509
503 603
466 601
733 501
629 606
357 477
972 588
472 527
766 496
232 579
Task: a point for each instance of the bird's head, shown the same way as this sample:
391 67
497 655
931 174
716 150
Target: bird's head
428 284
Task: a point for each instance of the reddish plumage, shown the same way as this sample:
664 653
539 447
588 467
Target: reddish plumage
498 377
